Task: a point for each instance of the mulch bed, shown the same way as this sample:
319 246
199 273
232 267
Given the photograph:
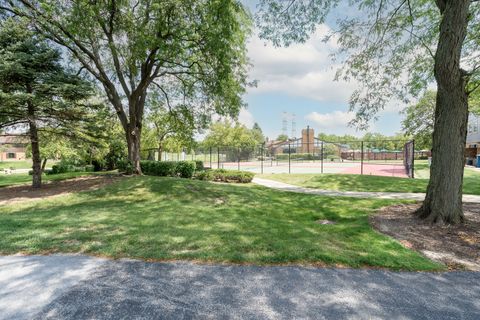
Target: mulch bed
456 246
19 193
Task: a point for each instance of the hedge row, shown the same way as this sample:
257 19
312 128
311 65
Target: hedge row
222 175
63 168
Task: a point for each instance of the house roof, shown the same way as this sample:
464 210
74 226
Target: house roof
13 139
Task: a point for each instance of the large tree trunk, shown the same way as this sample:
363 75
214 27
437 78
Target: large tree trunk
160 150
36 160
443 202
133 142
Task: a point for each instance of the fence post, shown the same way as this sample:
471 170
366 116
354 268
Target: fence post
413 159
211 158
261 156
238 159
321 157
218 157
361 161
289 152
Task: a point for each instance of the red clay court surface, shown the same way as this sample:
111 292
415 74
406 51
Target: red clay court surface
393 169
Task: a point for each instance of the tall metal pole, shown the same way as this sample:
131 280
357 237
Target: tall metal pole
361 170
321 157
413 159
261 156
289 157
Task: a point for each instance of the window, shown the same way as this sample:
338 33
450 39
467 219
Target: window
11 155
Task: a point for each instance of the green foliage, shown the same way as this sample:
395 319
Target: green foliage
199 166
228 134
64 167
419 120
387 46
222 175
193 53
183 169
282 137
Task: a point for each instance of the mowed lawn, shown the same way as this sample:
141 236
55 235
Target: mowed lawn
350 182
22 164
167 218
25 178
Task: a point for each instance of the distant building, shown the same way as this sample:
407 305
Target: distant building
13 147
473 139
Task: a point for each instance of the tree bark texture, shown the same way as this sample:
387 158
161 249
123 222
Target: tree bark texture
443 202
33 131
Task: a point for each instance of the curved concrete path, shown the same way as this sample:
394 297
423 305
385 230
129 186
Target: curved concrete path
356 194
81 287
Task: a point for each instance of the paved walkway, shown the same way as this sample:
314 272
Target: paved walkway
356 194
80 287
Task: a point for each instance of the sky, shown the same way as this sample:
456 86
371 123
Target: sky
299 80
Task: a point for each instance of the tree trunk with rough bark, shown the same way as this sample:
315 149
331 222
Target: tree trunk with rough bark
443 202
33 132
44 164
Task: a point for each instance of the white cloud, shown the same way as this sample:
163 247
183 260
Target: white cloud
304 70
335 122
245 117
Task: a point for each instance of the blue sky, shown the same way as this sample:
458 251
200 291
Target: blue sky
299 80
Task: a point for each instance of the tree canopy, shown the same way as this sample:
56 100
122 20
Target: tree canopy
192 52
36 91
387 46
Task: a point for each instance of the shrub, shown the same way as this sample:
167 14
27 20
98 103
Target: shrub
184 169
90 168
223 175
199 165
125 166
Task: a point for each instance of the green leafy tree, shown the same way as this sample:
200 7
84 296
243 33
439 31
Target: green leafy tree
419 120
192 51
228 134
258 133
395 49
165 123
35 90
282 137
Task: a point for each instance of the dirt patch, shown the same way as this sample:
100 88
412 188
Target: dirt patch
456 246
14 194
323 221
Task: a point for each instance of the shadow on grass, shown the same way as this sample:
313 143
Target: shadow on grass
167 218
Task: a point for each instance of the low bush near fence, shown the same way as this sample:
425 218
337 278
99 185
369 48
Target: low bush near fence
222 175
183 169
64 168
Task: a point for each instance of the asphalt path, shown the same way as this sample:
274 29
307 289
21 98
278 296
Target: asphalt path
82 287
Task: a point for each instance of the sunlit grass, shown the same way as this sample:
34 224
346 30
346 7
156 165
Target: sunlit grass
351 182
167 218
25 178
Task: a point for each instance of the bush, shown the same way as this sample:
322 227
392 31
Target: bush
125 166
184 169
90 168
298 156
222 175
65 167
199 165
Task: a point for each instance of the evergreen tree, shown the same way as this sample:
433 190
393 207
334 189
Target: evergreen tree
35 90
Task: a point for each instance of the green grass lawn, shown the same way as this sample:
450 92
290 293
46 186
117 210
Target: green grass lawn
167 218
22 164
25 178
351 182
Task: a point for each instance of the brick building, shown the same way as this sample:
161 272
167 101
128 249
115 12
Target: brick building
12 147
